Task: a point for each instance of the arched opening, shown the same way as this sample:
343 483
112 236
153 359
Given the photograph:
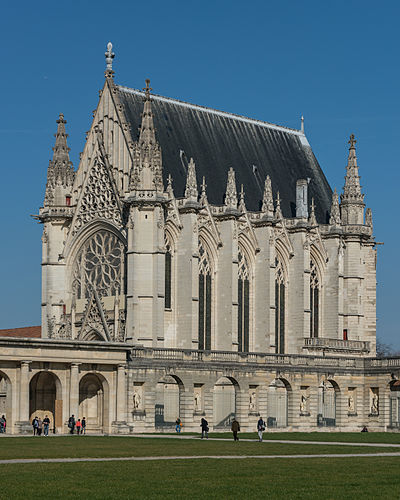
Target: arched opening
167 405
92 403
327 404
280 305
395 404
205 298
5 402
224 403
277 407
243 302
45 399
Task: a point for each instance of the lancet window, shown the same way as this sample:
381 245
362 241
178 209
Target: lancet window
205 297
243 302
314 299
168 275
100 264
280 298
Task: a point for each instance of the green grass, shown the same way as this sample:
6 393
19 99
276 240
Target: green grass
330 479
109 446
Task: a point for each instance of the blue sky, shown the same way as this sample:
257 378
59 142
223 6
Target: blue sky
334 62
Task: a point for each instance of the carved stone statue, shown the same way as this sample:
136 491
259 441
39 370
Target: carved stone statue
303 403
375 404
197 401
136 400
253 401
350 404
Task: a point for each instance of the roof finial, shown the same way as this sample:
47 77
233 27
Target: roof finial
242 205
278 211
302 124
147 89
203 196
352 142
312 219
109 59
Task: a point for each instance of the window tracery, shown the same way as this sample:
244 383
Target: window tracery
205 297
243 302
100 264
168 274
314 299
280 297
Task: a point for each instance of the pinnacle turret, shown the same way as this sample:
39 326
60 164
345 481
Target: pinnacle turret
352 200
147 135
278 211
334 219
242 204
312 219
60 173
268 200
231 199
191 192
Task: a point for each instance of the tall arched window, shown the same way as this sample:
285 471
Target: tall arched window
279 307
314 299
243 302
168 275
205 297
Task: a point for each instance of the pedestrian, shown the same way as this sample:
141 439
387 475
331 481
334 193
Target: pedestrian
204 428
46 424
178 425
364 429
235 429
260 429
2 424
35 425
79 427
84 425
71 424
39 426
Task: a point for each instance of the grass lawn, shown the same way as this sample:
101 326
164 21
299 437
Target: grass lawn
109 446
329 479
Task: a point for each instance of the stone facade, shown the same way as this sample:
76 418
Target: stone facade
156 305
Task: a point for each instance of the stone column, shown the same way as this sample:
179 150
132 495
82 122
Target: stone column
74 390
23 424
121 394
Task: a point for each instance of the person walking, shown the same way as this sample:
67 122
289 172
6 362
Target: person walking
46 424
84 425
235 429
35 425
2 424
79 427
260 429
71 424
40 426
178 425
204 428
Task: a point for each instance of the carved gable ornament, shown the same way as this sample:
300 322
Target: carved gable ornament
94 322
99 198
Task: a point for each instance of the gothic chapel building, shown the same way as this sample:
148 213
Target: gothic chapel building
198 264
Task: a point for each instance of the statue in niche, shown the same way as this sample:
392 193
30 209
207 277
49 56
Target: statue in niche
303 403
136 400
197 401
350 404
253 401
375 404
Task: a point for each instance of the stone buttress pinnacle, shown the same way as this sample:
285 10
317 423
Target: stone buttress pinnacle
147 135
268 200
191 192
231 199
352 188
334 219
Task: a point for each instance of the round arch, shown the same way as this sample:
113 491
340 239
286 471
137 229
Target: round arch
168 401
94 402
6 407
279 402
328 392
224 401
45 398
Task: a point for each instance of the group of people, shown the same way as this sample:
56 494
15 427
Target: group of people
235 428
79 424
40 426
3 424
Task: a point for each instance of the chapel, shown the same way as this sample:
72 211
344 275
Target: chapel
196 263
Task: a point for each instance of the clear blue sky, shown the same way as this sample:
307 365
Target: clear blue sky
334 62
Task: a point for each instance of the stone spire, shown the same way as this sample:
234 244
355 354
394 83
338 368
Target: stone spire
60 173
312 219
231 200
268 200
109 55
191 192
352 200
242 205
334 219
278 211
147 165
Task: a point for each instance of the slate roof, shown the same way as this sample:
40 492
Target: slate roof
24 332
218 141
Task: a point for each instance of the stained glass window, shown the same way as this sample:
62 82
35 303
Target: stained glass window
314 300
205 297
279 307
243 303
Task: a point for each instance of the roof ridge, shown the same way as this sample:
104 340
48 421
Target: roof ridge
215 111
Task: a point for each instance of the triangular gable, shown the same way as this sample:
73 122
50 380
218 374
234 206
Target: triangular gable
99 196
94 319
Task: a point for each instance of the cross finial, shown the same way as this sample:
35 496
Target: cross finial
352 141
109 57
147 89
